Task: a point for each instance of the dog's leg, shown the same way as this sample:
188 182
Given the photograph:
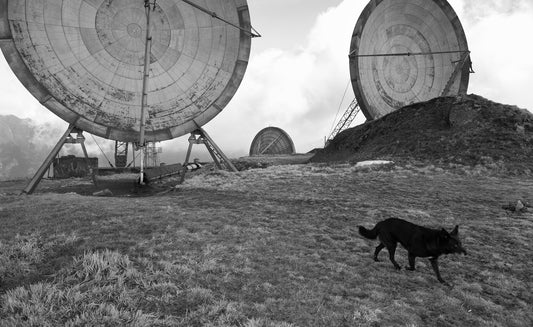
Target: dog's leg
378 249
435 265
411 262
392 251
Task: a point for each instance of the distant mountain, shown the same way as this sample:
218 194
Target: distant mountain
23 146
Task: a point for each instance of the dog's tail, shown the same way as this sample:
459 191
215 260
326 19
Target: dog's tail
369 233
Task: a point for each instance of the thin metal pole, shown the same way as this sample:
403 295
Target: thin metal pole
192 140
212 153
271 144
81 140
406 54
146 77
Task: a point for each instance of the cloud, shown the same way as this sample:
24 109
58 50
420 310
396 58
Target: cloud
476 10
16 100
496 31
296 89
299 89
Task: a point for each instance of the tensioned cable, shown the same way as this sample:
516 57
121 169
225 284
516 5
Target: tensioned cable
404 54
213 14
102 151
340 106
444 65
132 162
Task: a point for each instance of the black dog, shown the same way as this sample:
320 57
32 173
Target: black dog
417 240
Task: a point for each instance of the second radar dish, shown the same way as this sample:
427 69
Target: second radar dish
407 51
84 61
272 141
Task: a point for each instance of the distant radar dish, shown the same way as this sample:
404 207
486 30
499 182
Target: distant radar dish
407 51
84 60
272 141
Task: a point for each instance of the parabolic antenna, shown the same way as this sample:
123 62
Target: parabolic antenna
407 51
272 141
84 61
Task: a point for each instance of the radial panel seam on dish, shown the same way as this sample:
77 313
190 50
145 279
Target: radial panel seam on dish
407 8
70 10
92 61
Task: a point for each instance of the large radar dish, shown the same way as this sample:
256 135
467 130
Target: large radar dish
407 51
84 60
272 141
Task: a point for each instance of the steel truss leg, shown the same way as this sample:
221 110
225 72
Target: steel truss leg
221 161
459 65
32 185
216 152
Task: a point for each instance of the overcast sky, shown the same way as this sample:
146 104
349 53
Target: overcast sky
298 70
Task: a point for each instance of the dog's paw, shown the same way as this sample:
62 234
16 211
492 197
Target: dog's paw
409 268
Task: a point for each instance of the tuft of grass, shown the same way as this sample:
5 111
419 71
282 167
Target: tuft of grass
100 266
107 288
25 255
275 247
101 288
19 257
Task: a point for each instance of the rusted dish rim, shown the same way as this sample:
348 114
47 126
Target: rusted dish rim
43 95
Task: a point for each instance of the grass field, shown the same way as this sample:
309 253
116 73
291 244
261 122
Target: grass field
267 247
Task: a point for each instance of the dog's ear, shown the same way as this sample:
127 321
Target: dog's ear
455 231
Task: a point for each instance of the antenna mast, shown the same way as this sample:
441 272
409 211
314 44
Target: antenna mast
149 6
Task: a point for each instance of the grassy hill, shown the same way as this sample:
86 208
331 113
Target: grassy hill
468 130
266 247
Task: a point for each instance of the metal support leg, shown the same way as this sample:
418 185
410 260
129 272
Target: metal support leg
459 65
213 156
221 161
217 151
192 140
47 162
88 163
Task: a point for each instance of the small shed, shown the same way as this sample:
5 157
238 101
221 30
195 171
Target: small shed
72 166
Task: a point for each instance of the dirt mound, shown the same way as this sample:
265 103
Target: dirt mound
467 130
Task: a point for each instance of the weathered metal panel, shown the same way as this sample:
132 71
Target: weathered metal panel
272 141
430 35
84 60
5 32
72 166
22 72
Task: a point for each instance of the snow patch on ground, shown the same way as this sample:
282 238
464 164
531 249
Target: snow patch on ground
373 162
